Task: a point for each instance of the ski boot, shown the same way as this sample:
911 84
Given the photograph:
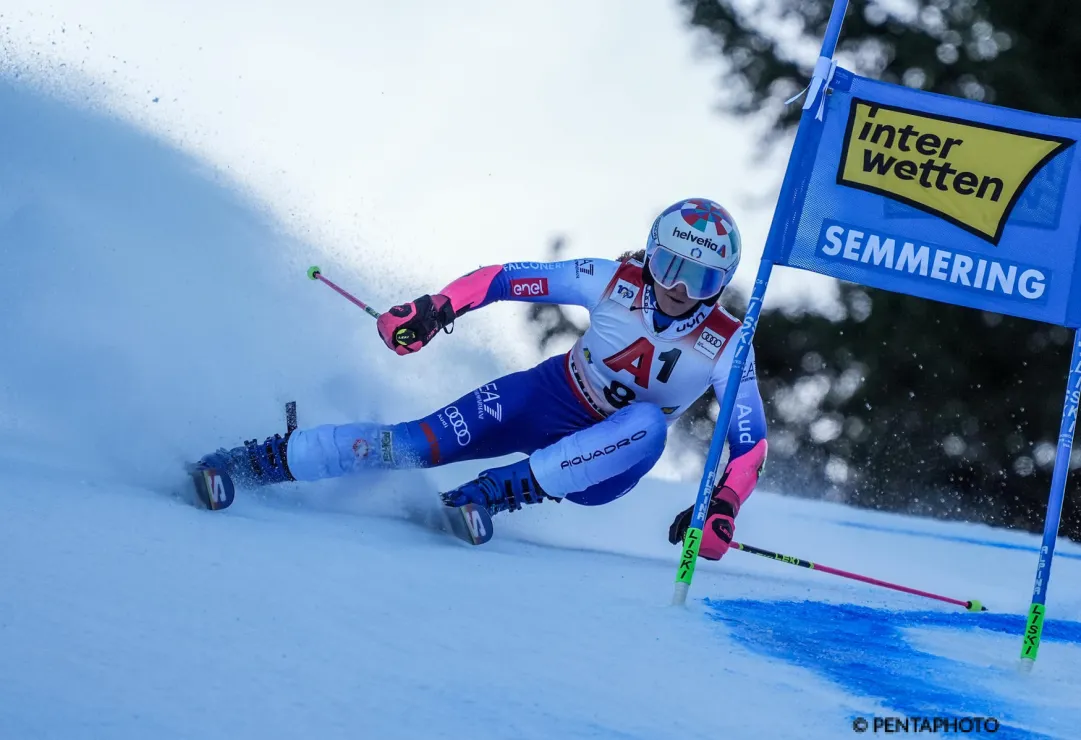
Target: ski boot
254 464
499 489
249 466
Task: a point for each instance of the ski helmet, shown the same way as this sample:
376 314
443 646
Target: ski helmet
694 242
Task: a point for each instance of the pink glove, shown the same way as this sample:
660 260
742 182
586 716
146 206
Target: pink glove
410 326
734 488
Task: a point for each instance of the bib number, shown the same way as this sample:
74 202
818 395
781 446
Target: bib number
618 395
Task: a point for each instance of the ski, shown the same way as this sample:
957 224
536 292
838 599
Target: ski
214 489
470 523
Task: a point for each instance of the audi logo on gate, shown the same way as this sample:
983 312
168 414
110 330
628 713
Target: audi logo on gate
461 429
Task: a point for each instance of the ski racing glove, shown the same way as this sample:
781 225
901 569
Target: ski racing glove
734 488
410 326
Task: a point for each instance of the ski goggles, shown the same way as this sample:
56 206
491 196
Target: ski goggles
701 282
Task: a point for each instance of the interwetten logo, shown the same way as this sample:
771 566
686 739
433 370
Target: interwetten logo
970 174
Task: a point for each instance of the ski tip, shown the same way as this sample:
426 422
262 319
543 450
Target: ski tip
214 489
313 272
477 523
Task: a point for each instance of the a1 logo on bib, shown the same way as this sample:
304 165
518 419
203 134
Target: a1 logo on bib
624 293
709 343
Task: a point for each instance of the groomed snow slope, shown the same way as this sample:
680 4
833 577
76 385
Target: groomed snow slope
150 313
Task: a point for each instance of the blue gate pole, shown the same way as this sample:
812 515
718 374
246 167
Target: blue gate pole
784 217
1034 625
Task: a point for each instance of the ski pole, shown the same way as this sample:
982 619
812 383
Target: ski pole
972 605
315 274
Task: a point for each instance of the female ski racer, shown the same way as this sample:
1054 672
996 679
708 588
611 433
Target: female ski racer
593 421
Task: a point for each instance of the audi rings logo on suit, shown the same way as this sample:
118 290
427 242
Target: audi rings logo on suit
458 424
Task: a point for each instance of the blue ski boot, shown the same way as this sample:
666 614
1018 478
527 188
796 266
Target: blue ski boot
254 464
499 489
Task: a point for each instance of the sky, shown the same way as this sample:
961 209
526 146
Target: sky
422 139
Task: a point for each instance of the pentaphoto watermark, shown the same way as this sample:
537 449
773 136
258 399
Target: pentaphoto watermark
946 725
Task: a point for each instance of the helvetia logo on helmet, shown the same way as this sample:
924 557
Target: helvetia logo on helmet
704 241
970 174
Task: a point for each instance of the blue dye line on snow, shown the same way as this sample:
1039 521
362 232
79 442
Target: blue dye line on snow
955 538
865 651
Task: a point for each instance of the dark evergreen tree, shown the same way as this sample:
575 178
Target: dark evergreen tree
1023 55
905 404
